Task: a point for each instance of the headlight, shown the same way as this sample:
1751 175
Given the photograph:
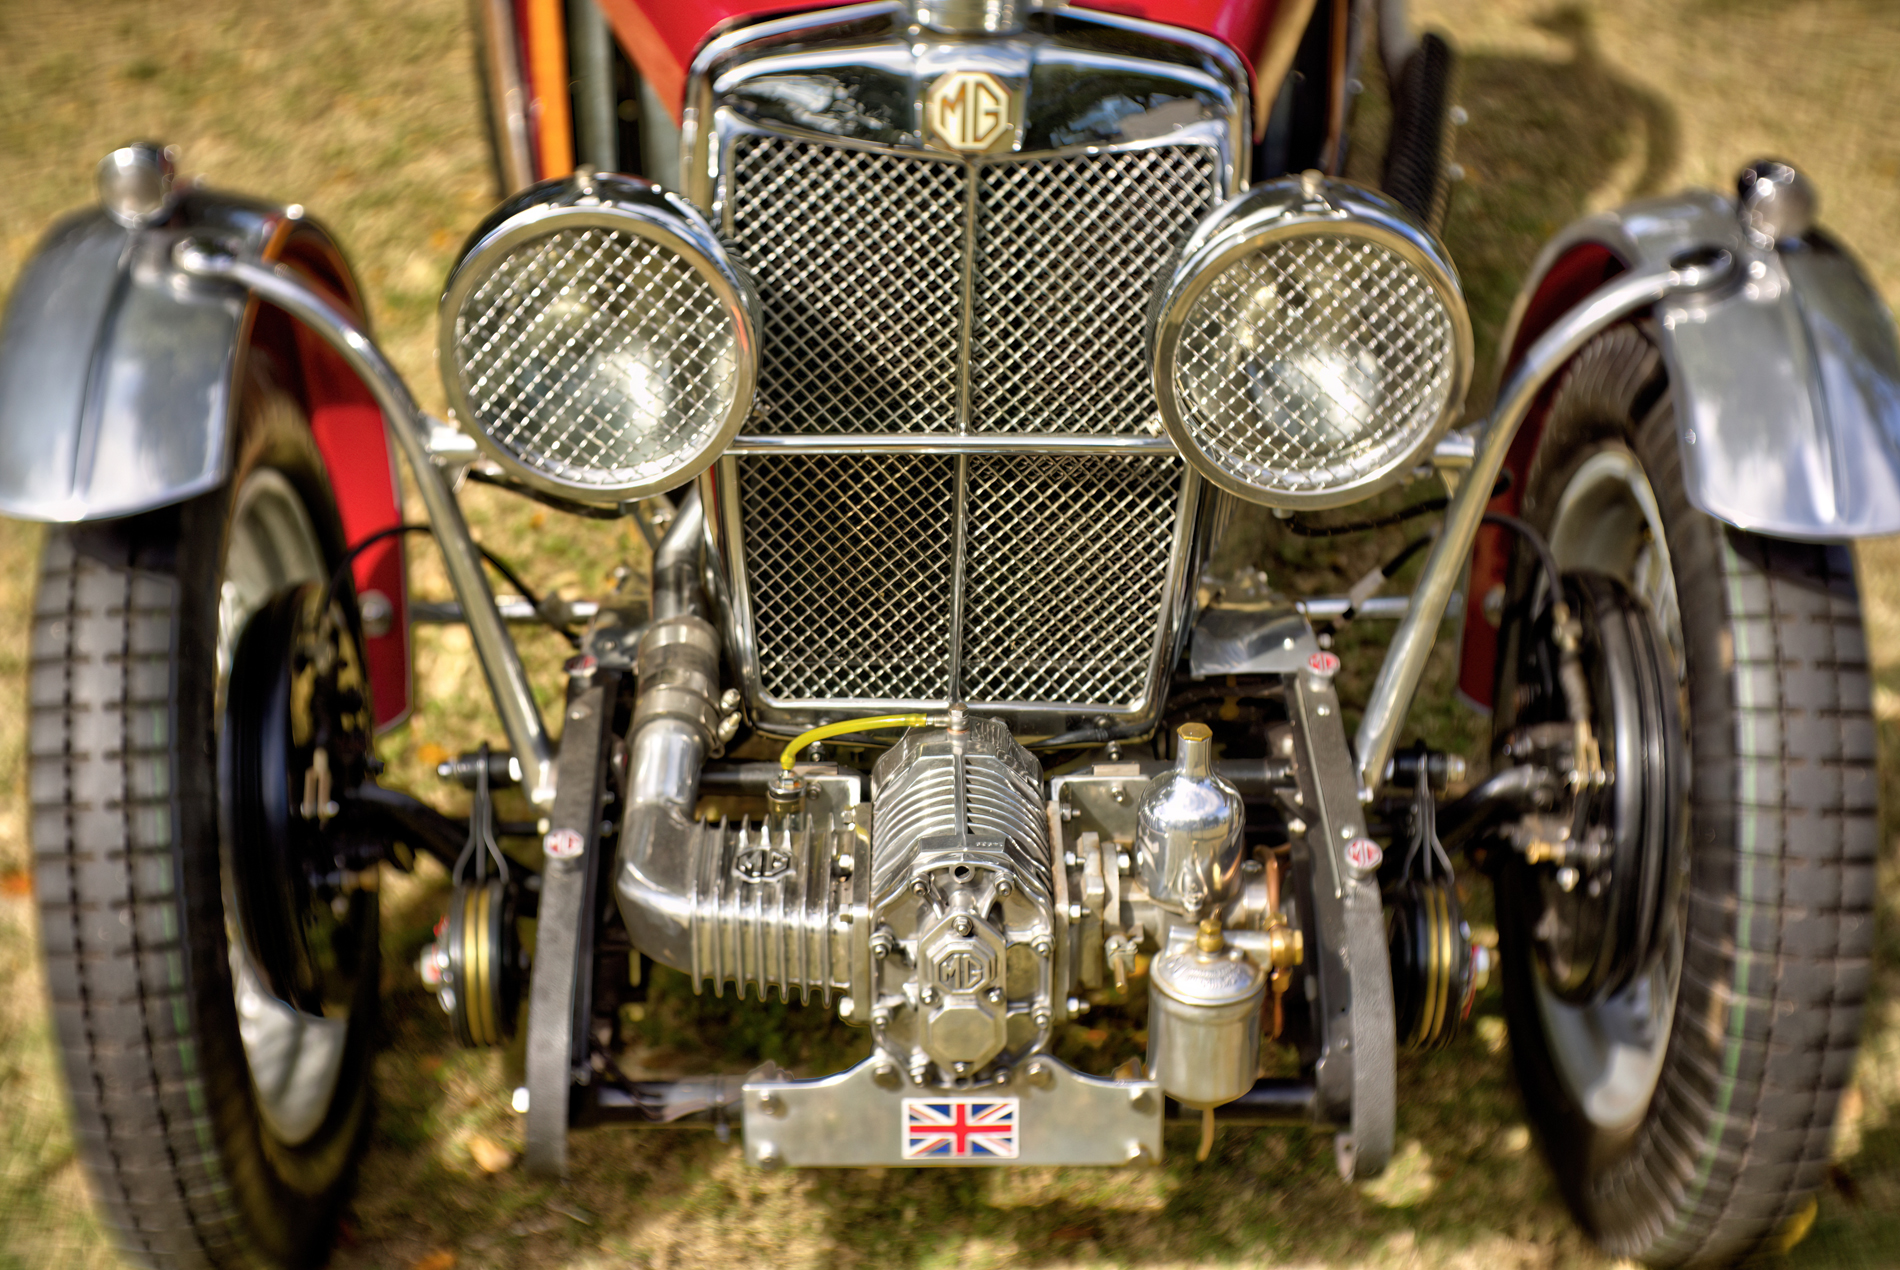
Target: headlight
1309 344
598 341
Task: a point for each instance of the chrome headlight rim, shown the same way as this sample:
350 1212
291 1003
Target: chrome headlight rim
620 204
1253 222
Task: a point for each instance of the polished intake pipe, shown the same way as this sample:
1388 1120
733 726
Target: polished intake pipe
675 720
719 904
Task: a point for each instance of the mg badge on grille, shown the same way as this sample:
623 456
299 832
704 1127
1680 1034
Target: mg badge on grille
969 111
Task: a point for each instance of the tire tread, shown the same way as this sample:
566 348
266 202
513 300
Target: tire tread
1781 890
101 772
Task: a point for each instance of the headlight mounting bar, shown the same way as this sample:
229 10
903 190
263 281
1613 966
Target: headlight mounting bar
1412 644
507 678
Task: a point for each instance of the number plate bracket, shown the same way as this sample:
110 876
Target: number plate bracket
856 1118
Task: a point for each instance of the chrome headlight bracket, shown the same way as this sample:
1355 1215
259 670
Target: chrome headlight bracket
597 340
1309 344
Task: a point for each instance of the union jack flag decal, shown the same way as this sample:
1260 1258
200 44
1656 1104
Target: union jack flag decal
960 1128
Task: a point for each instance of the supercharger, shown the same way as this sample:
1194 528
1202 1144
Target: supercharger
965 911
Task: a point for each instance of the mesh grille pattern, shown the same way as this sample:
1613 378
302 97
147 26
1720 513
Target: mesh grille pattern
596 357
1068 561
1311 363
859 262
849 563
860 259
1067 258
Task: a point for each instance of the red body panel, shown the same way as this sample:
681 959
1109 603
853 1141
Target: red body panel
349 433
662 38
348 428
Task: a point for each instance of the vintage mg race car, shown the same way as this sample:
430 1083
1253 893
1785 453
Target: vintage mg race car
934 347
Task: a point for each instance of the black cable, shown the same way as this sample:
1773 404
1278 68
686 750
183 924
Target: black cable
567 505
335 583
1545 558
1306 529
1303 529
1406 552
500 566
1072 740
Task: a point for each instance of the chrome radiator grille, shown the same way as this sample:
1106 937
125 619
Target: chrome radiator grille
860 258
1067 255
850 564
1068 559
852 568
913 294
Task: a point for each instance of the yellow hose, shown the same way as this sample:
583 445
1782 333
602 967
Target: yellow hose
843 726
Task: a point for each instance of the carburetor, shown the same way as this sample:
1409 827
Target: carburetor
964 906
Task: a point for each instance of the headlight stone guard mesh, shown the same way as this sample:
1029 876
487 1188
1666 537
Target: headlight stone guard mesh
596 357
1313 362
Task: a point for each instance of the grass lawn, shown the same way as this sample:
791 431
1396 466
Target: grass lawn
365 112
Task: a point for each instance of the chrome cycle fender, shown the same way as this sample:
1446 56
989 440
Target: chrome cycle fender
1786 382
120 378
116 383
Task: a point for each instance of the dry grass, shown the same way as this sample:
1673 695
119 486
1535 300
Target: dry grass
365 113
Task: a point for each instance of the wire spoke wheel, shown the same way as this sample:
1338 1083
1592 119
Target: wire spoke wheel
296 935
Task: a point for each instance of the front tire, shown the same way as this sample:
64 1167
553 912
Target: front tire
1688 1110
205 1145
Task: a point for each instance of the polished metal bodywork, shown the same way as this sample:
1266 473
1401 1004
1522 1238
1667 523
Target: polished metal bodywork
855 1119
1786 385
1397 306
921 382
116 385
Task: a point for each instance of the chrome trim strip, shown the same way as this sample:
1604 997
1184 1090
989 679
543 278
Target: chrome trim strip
959 564
966 327
727 525
507 678
948 443
696 119
863 31
1412 643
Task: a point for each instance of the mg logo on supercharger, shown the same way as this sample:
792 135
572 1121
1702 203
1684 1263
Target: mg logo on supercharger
968 111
